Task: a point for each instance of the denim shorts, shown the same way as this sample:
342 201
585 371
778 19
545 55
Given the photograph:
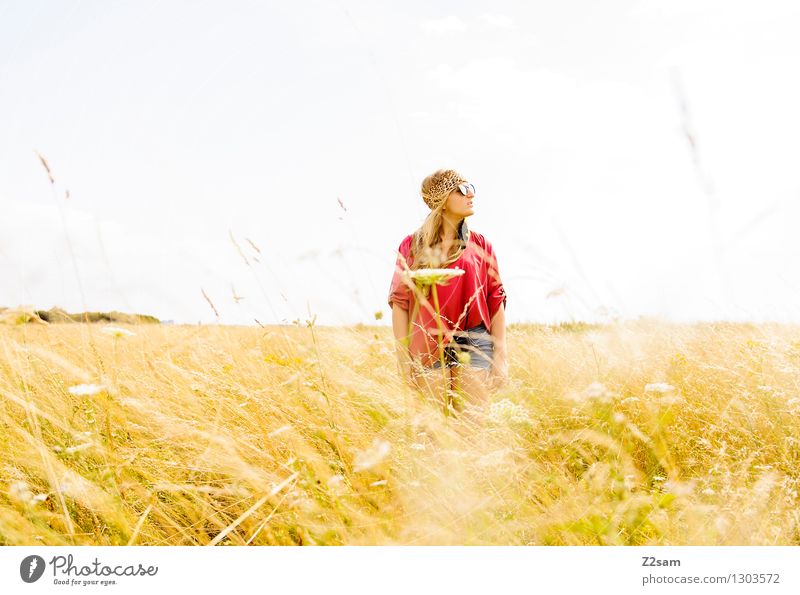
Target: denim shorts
475 341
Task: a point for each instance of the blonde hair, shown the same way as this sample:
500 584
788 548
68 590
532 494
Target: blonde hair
426 243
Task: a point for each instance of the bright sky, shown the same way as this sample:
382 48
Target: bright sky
177 126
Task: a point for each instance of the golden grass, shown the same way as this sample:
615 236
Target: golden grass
224 435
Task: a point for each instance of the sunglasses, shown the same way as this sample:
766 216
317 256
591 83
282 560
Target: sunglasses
466 188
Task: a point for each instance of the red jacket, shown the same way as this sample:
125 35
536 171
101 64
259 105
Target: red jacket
464 301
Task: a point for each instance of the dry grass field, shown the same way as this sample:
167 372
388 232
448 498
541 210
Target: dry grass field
640 433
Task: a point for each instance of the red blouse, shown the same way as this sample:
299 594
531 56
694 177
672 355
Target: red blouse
464 301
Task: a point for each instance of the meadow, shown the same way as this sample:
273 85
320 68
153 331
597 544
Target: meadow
636 433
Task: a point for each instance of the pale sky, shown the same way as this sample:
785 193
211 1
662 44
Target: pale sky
174 125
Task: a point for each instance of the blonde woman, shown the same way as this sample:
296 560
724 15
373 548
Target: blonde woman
468 332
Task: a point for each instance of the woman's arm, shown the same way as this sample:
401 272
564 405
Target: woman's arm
500 363
496 301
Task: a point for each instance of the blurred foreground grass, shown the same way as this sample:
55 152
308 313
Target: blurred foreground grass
640 433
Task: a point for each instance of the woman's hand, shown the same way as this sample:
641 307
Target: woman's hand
499 372
408 375
407 370
499 363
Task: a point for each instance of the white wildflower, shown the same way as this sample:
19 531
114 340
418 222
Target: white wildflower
670 399
19 491
280 430
116 331
680 488
337 484
629 482
67 487
298 499
659 387
417 446
495 459
79 447
372 456
86 389
506 412
722 524
596 391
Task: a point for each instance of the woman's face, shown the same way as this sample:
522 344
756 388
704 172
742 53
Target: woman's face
458 205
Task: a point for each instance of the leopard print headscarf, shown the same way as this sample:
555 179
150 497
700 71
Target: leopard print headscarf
442 187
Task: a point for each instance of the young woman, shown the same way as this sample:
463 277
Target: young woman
471 307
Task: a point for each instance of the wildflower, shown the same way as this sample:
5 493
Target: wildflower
417 446
337 484
280 430
722 524
629 482
19 491
278 487
67 487
78 448
659 387
507 413
372 456
596 391
434 276
297 499
86 389
116 331
495 459
680 488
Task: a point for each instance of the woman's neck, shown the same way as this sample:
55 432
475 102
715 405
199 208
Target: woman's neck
450 227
